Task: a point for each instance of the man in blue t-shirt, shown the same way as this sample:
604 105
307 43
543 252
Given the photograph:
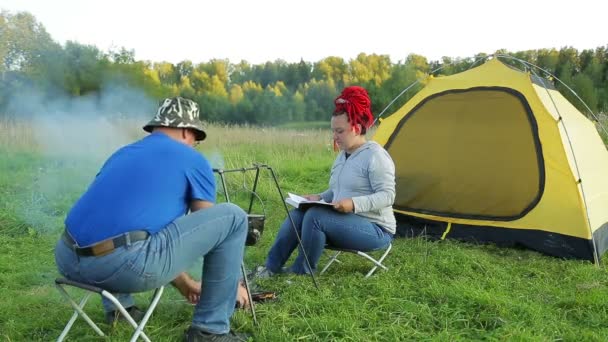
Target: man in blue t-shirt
129 231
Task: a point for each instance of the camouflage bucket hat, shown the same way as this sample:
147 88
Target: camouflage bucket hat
178 112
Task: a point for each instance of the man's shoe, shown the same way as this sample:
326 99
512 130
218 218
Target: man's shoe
115 316
196 335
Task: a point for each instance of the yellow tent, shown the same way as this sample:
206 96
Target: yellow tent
496 154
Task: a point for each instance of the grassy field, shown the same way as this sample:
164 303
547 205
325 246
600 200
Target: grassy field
434 291
306 125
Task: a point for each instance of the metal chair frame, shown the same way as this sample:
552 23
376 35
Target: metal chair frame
61 283
377 262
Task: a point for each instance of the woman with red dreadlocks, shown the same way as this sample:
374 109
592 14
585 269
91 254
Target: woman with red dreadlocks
361 188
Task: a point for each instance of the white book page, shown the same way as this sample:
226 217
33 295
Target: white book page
300 199
297 198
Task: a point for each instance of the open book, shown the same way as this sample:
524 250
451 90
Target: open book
302 203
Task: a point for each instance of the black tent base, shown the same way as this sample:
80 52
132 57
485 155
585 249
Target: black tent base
553 244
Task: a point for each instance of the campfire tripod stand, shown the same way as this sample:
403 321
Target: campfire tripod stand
257 167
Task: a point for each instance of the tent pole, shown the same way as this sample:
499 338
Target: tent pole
533 66
418 81
579 181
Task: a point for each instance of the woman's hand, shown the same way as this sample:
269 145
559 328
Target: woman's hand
312 197
345 205
242 297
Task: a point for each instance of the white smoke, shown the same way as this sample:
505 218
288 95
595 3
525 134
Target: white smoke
74 137
215 158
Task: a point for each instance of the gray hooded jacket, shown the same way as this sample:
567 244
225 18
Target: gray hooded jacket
368 177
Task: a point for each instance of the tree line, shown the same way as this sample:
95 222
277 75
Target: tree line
270 93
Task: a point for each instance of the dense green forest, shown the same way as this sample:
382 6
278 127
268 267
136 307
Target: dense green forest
33 64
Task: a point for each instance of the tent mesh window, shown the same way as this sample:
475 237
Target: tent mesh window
468 153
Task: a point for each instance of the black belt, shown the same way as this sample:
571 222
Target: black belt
106 246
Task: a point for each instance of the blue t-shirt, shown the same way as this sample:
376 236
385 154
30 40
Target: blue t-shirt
142 186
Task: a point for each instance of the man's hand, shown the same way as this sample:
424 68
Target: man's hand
188 287
312 197
242 298
345 206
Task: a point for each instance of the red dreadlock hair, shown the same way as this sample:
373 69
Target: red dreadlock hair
355 102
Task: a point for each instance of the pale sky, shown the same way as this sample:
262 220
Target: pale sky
260 31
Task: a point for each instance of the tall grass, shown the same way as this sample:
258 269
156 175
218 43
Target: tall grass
602 127
433 291
21 135
16 134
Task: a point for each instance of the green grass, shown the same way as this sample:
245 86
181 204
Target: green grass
434 291
306 125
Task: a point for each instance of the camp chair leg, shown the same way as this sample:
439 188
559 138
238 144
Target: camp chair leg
138 328
77 311
378 263
331 261
155 299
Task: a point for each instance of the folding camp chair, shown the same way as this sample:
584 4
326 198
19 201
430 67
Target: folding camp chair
377 263
61 283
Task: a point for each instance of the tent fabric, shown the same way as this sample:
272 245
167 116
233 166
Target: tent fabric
500 155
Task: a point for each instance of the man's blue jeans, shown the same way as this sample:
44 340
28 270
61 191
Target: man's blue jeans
318 226
217 234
